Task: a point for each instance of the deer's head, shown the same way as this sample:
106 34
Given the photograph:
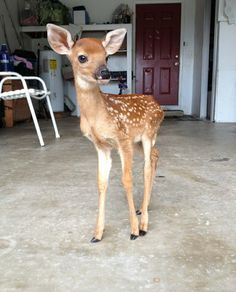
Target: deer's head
88 56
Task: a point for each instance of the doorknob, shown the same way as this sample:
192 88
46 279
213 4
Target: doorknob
176 64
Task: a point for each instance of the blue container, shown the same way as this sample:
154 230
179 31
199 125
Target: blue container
4 59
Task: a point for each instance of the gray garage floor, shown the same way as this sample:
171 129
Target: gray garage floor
48 203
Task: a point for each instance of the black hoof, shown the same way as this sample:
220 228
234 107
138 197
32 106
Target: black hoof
142 232
94 240
138 212
133 236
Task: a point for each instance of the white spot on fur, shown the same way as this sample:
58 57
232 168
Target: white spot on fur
83 83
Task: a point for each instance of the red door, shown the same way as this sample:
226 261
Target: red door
157 51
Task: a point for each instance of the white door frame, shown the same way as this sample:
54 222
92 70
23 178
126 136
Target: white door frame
215 63
205 59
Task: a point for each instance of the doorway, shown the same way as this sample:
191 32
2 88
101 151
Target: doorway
158 51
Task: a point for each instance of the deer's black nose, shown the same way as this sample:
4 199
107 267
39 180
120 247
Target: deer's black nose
103 73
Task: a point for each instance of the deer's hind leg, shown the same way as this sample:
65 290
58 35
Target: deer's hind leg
147 147
150 164
154 161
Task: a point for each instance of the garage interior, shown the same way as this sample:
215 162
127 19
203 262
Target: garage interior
48 195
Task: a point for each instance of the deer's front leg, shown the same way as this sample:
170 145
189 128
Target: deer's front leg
104 167
126 154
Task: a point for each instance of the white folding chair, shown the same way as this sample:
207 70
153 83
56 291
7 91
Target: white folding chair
29 93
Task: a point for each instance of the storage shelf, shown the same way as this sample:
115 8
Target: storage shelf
116 79
33 28
84 27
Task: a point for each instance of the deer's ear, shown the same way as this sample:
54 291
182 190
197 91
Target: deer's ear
59 39
114 40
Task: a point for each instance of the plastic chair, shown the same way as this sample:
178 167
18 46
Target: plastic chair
29 93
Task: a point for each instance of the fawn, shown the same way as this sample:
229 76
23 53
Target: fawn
123 122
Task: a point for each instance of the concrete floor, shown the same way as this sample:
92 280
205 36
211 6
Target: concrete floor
48 202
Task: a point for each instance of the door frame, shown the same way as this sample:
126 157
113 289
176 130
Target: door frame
180 105
215 63
205 60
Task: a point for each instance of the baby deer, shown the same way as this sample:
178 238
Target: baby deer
111 121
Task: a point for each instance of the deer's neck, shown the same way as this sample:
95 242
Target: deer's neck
89 99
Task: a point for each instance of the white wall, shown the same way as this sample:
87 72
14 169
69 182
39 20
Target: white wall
187 56
201 57
100 11
198 36
13 42
225 99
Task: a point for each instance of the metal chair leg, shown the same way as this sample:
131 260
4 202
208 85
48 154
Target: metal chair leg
36 124
52 117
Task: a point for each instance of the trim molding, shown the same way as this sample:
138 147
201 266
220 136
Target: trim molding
229 8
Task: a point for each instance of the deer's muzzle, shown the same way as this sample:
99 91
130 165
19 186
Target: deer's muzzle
103 73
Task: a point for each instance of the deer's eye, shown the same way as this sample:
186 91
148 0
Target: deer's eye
82 59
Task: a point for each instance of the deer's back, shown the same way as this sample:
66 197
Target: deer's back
134 113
